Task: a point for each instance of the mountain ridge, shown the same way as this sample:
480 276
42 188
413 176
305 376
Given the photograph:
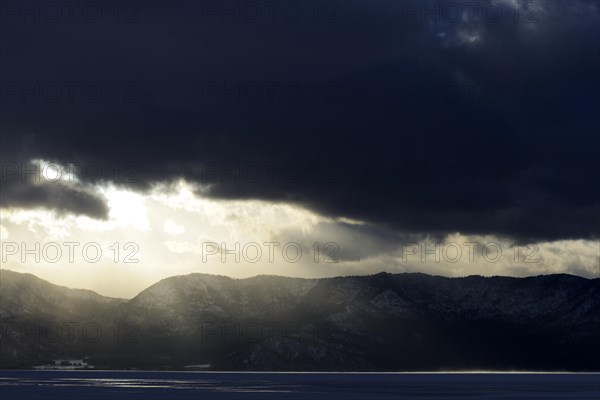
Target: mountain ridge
385 322
3 270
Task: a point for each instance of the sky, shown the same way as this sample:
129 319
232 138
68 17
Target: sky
146 139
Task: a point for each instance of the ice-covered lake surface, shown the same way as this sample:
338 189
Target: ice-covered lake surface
116 385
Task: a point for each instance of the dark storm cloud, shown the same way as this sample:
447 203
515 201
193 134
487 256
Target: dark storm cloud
428 117
24 185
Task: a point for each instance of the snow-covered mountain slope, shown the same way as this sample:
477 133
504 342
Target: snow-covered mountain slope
379 322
